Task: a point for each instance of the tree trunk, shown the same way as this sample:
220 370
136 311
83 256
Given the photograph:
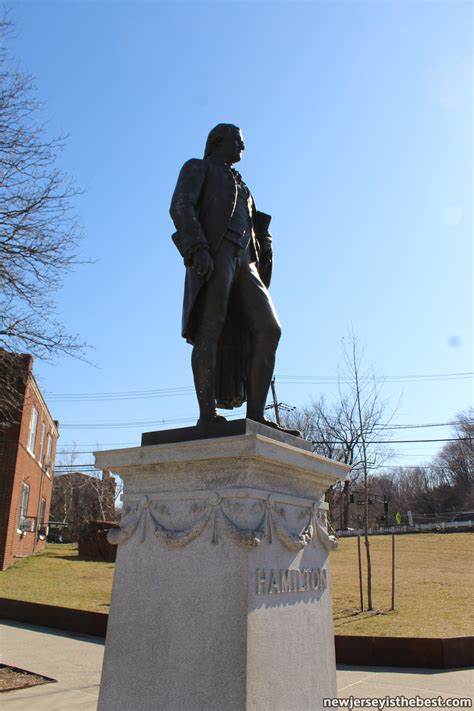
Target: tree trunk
345 504
367 549
366 476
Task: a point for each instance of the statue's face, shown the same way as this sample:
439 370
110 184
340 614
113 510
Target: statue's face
232 147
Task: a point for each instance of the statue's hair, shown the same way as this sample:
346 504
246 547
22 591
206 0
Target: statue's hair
217 135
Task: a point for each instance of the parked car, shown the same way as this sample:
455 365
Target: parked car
55 534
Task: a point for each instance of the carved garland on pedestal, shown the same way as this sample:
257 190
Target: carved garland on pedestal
269 516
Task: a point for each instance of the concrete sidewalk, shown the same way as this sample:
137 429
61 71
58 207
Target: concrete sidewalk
76 661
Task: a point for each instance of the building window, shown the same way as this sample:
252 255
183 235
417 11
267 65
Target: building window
47 461
32 431
25 495
41 452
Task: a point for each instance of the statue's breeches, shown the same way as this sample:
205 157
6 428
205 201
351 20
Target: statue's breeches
235 280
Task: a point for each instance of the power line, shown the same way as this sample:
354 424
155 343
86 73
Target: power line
124 395
414 427
96 444
144 423
73 467
288 379
178 420
380 378
406 441
414 452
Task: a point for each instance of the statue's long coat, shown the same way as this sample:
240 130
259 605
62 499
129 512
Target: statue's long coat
201 208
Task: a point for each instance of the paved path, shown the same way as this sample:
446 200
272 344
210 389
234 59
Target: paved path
76 661
378 682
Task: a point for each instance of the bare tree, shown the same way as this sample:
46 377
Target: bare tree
349 430
455 464
104 486
366 401
14 374
335 432
79 498
445 484
118 496
38 231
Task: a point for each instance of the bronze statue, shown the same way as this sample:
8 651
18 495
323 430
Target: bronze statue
228 314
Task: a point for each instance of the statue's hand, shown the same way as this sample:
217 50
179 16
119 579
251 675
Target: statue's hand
265 243
202 264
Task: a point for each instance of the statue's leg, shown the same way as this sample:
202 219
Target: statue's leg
259 375
203 361
260 315
211 314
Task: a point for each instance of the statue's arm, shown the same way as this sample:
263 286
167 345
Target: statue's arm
189 237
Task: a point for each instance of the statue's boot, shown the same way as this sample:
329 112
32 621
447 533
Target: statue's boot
259 380
270 423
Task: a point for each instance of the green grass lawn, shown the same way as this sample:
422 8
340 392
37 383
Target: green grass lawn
435 575
56 576
434 581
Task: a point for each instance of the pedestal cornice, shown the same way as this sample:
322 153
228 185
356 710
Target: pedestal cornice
242 448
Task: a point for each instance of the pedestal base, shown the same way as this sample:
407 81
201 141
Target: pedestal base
221 597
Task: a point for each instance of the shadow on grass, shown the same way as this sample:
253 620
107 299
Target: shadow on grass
57 556
347 617
88 560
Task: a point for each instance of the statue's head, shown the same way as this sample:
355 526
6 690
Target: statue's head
225 140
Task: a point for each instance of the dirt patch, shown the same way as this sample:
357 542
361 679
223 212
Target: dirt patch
13 678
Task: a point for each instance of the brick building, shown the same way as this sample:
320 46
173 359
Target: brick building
28 437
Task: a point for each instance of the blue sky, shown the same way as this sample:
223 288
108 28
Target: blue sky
357 118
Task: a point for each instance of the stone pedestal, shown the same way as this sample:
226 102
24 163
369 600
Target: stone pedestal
221 598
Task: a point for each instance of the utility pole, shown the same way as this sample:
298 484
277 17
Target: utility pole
275 402
277 406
